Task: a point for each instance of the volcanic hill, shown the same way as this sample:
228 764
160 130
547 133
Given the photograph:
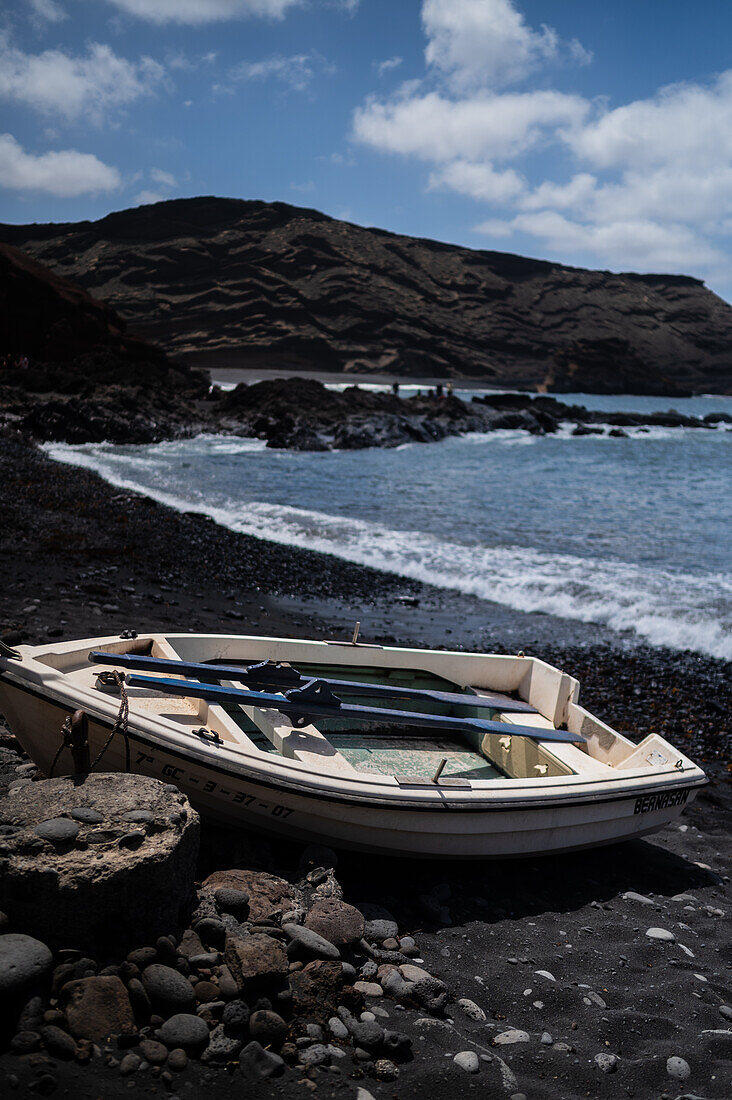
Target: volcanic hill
226 282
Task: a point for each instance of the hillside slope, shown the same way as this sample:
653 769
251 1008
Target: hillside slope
225 282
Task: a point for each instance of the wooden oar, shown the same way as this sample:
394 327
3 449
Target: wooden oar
315 699
267 674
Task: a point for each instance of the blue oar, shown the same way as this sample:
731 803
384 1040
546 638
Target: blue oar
315 699
270 675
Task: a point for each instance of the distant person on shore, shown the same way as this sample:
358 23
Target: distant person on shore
449 389
395 388
439 393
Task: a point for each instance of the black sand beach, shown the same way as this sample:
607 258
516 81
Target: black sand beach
80 558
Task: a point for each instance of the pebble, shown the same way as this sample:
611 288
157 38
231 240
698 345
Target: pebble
366 1033
385 1070
87 816
608 1063
25 1042
430 993
471 1009
467 1060
630 895
678 1068
363 1094
230 900
235 1018
184 1030
513 1035
315 1055
380 930
369 989
309 942
130 1064
546 1039
661 934
167 986
726 1011
221 1047
177 1060
337 1028
23 960
139 817
153 1052
57 1042
263 1063
267 1028
545 974
59 830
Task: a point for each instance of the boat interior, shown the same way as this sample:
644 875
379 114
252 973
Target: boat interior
514 691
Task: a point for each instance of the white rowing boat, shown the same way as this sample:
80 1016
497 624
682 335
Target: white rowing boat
400 751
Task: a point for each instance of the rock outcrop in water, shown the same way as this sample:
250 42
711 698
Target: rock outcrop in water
252 284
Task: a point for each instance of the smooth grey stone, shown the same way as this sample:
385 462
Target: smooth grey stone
22 960
337 1028
184 1030
87 816
726 1011
303 939
546 1039
661 934
139 817
263 1063
513 1035
678 1068
630 895
59 830
57 1042
230 900
467 1060
167 986
130 1064
25 1042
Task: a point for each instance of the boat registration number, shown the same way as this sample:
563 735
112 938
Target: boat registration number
660 801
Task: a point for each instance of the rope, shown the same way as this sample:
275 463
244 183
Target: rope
121 725
65 743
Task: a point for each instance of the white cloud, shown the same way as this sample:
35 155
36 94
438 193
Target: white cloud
646 184
479 181
157 175
66 174
204 11
435 128
296 71
56 83
486 43
48 11
147 198
387 66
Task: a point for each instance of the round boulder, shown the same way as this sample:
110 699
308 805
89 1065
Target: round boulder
336 921
66 878
23 961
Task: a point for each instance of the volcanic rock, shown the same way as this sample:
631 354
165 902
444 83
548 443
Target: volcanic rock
97 1007
269 282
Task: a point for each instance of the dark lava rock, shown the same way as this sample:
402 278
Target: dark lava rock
97 1007
235 1019
336 921
184 1030
255 961
267 893
268 1028
153 1052
211 931
257 1062
167 987
139 1000
366 1033
431 994
23 961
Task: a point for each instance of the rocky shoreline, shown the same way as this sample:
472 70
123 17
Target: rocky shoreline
543 973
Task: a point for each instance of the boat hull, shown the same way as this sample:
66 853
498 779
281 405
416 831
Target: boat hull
492 829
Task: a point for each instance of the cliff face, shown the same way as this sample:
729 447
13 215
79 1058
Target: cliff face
224 282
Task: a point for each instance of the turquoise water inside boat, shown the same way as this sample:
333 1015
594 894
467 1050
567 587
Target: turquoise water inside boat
391 750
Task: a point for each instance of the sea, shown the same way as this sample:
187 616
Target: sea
634 534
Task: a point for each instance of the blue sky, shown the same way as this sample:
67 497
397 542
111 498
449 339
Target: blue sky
593 133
